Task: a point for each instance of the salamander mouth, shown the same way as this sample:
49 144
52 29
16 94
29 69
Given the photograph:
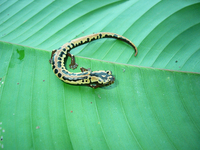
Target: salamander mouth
111 82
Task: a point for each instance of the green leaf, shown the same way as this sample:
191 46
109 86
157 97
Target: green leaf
146 107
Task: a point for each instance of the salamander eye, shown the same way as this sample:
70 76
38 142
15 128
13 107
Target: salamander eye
109 72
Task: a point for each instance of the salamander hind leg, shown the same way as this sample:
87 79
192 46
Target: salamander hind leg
52 53
73 64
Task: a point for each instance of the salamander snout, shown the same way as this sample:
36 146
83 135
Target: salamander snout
102 78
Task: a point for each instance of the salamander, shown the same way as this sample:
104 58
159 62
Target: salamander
93 79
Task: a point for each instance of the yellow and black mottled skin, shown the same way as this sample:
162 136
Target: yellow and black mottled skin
87 77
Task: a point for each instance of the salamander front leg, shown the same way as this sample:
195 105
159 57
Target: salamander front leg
93 86
84 69
73 64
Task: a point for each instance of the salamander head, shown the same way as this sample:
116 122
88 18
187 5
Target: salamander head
101 78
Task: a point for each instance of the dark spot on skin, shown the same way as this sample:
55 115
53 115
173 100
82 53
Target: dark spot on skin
59 75
53 67
64 78
65 72
59 58
64 49
108 35
92 39
69 47
115 35
72 44
100 35
88 39
61 54
59 64
56 71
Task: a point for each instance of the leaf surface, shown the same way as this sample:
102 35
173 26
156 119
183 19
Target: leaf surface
146 107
